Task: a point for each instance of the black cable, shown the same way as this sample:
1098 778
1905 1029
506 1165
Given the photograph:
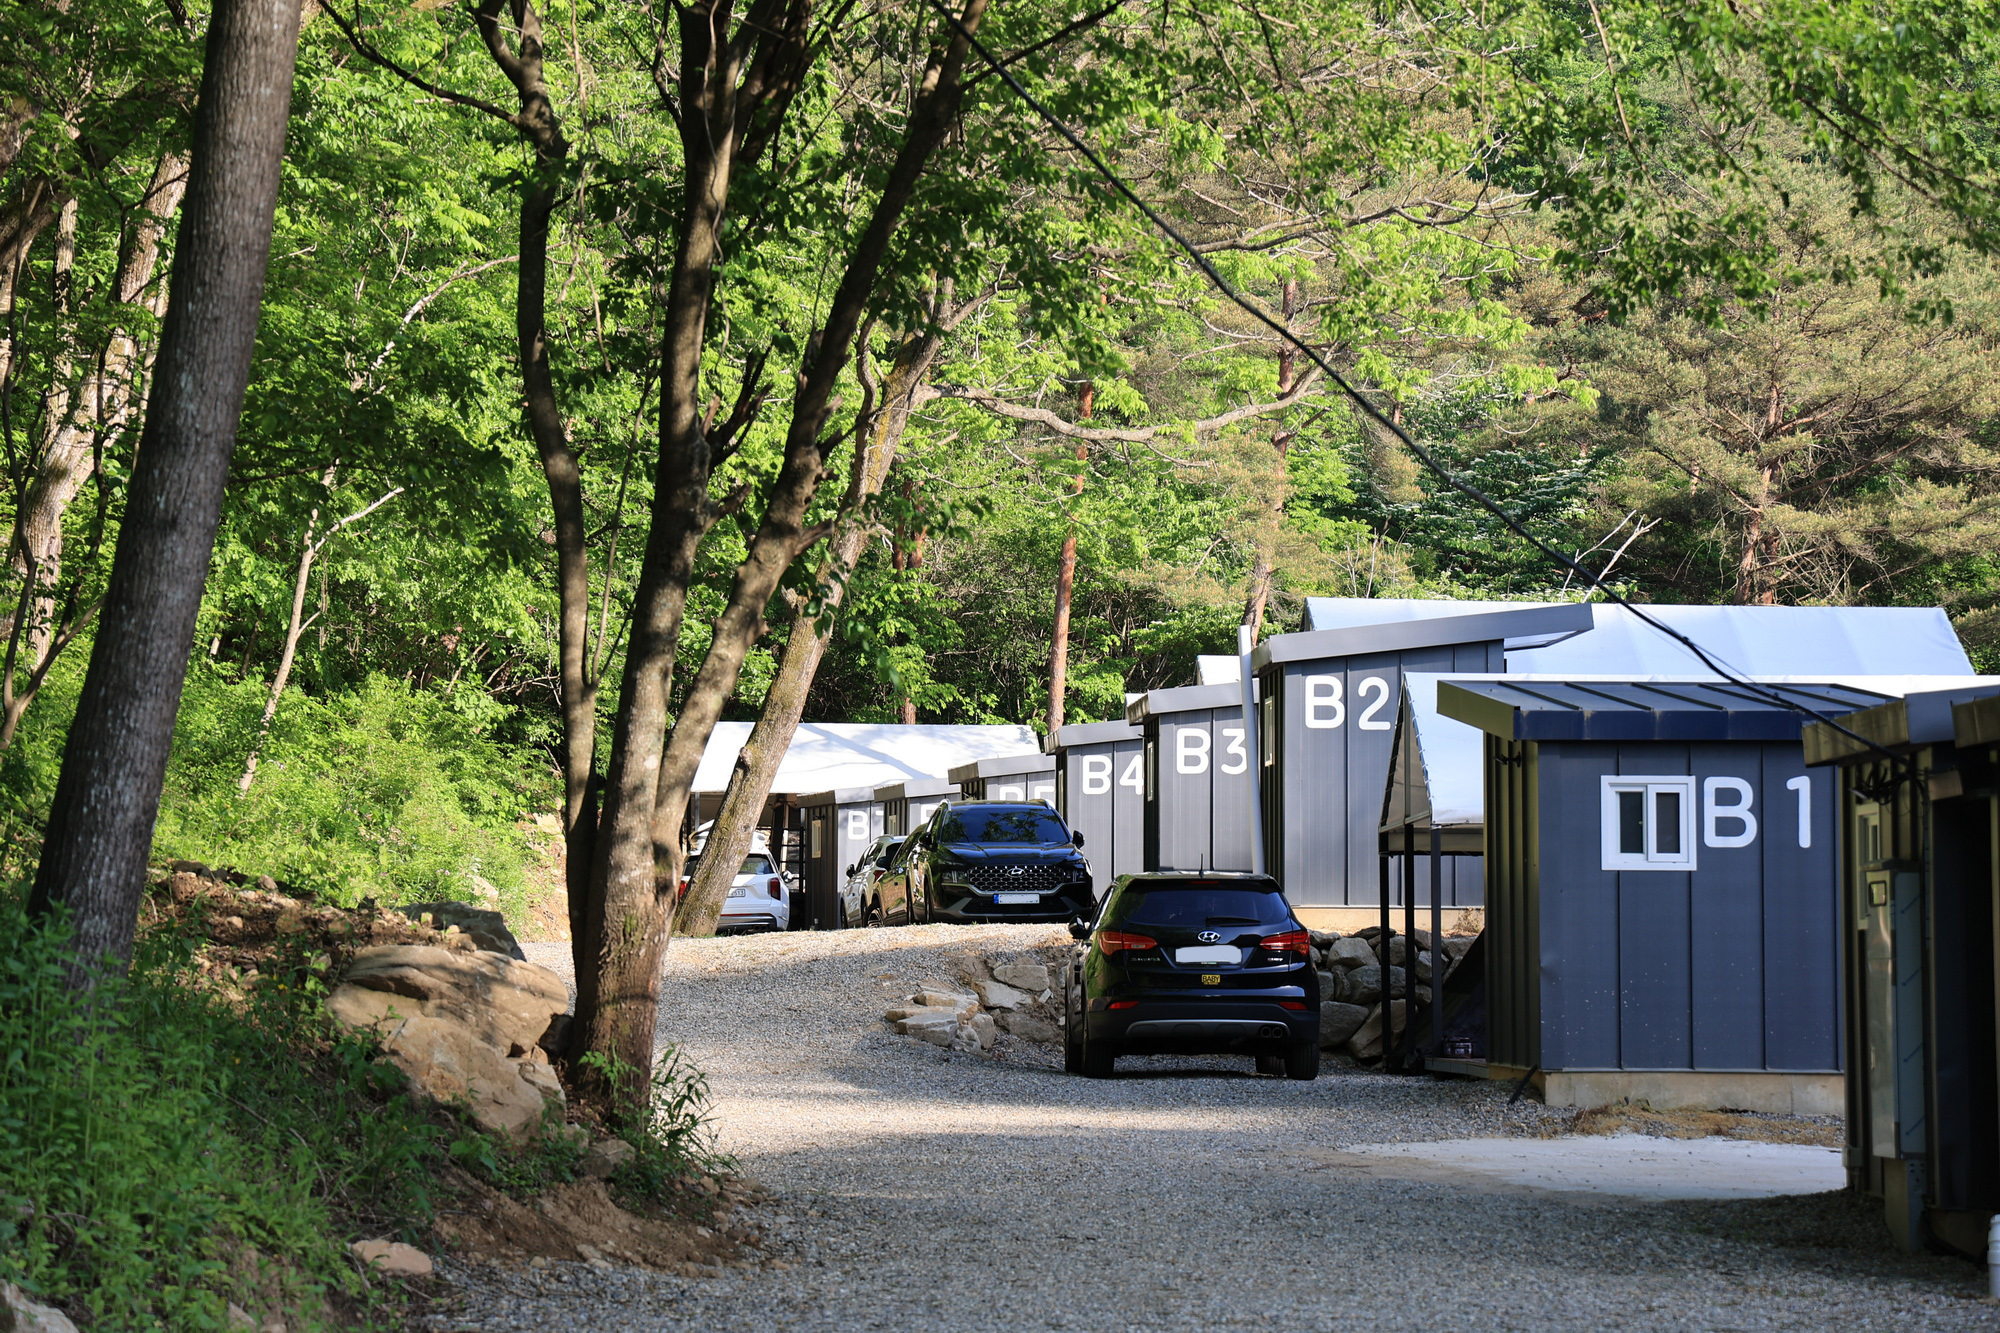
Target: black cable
1484 500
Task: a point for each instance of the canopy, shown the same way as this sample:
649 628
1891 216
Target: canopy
825 756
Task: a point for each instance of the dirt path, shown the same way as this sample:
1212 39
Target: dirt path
923 1190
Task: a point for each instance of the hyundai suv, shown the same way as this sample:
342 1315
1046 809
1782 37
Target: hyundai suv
989 861
1193 964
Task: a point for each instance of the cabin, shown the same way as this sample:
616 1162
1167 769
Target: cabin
1100 770
1919 786
906 805
841 825
1021 777
1660 919
1326 719
1197 766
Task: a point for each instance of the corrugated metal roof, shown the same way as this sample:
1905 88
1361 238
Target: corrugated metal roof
825 756
1004 768
1438 770
913 787
1408 623
1090 733
1184 699
1824 641
1627 710
1920 718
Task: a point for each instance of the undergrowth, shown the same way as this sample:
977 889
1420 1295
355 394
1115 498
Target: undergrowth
165 1151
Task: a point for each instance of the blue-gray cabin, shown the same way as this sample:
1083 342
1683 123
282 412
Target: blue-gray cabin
1919 780
840 826
1660 888
1019 777
906 805
1101 793
1197 766
1328 712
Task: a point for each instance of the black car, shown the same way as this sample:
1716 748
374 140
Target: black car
1193 964
988 861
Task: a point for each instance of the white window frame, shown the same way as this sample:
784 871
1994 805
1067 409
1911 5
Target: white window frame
1650 784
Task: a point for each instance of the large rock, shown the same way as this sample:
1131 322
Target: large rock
487 929
392 1256
1366 1043
936 1024
1030 977
1351 951
1363 985
505 1003
18 1314
1338 1022
447 1062
999 995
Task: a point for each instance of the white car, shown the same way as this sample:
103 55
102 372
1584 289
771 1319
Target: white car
758 900
857 895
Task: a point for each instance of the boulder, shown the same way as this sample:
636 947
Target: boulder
1363 985
938 997
1338 1022
936 1024
392 1257
604 1158
1366 1043
1028 976
1322 939
1423 967
1028 1027
1352 951
999 995
507 1004
487 929
1399 950
18 1314
982 1030
1329 985
447 1062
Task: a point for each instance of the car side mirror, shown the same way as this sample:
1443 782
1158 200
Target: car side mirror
850 870
1079 930
1076 838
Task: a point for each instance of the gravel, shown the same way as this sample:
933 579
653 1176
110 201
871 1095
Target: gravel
925 1190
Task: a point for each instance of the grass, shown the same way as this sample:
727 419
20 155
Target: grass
169 1147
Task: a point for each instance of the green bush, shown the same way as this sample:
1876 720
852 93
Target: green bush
162 1154
388 792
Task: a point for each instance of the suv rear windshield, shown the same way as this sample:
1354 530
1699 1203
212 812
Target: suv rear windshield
1155 903
1037 825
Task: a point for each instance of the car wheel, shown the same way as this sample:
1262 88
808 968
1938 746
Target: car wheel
1099 1059
1302 1061
1073 1027
1270 1064
874 918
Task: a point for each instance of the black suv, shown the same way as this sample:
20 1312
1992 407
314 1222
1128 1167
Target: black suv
1193 964
988 861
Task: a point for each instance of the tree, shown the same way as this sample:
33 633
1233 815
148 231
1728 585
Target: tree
101 819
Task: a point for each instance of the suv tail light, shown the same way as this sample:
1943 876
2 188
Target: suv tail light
1292 941
773 887
1117 941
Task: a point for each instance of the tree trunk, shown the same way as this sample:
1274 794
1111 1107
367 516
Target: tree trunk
1065 586
638 859
114 762
756 768
1274 517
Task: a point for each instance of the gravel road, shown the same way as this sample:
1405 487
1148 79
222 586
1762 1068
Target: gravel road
925 1190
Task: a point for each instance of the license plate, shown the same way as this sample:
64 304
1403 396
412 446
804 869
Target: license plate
1017 897
1209 953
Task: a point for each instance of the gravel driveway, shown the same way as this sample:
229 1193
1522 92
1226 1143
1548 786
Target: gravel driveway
926 1190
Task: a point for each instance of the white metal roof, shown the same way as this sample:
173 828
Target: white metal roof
1437 772
1215 669
825 756
1758 641
1356 612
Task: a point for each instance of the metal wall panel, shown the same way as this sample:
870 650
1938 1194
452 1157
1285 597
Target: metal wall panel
1101 793
1333 724
1197 809
1733 966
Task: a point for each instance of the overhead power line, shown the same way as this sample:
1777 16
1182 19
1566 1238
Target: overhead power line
1374 413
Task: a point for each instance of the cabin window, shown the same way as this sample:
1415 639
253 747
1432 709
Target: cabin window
1648 823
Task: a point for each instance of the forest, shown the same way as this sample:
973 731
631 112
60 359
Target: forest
620 369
